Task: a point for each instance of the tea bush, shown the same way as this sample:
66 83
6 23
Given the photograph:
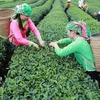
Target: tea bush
42 75
12 4
38 3
92 6
5 47
77 14
2 51
41 11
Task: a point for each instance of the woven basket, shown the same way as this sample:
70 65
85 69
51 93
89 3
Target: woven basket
5 14
95 44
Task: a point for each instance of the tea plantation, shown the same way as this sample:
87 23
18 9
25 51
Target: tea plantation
42 75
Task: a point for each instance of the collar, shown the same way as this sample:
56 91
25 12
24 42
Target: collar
76 37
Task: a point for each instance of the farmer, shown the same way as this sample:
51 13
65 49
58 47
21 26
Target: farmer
97 15
84 6
20 24
77 44
68 4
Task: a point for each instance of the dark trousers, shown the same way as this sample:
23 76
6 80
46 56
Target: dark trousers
66 9
94 75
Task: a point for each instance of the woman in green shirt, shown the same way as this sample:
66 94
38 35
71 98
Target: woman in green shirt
78 34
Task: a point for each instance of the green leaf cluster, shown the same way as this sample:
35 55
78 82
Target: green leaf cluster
42 75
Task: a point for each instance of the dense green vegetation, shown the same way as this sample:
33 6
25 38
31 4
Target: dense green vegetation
40 11
77 14
11 4
42 75
92 6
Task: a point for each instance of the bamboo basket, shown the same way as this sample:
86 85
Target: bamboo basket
95 44
5 15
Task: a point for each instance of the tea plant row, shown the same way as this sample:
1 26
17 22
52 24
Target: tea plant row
42 75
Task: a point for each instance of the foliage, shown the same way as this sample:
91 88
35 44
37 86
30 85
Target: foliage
12 4
38 3
1 93
3 51
42 75
39 12
81 15
92 6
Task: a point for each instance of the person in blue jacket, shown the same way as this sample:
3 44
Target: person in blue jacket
97 15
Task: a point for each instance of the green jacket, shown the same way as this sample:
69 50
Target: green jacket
81 49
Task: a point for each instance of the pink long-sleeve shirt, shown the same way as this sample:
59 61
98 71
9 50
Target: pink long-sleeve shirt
19 36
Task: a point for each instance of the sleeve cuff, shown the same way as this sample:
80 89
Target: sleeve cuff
39 36
56 48
30 44
59 41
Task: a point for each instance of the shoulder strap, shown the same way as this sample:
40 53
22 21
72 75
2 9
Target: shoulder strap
12 35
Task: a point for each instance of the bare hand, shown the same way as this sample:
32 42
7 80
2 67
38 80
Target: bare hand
42 43
53 44
36 46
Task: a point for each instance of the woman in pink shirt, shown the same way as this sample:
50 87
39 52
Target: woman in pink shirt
20 23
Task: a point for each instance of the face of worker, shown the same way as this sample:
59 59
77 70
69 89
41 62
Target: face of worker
24 17
95 14
71 34
84 3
